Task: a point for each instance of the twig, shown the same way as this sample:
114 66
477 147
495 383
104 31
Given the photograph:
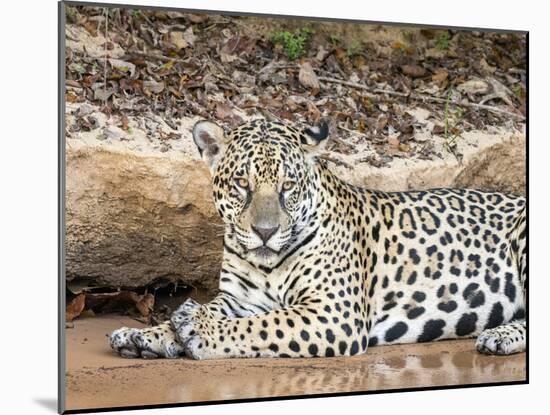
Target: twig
447 114
105 61
151 56
352 132
335 161
373 93
449 141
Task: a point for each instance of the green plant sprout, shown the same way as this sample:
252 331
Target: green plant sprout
353 49
442 41
450 138
293 43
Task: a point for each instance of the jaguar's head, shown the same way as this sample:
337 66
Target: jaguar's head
263 182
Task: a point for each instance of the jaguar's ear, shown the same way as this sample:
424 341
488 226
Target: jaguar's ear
210 140
314 139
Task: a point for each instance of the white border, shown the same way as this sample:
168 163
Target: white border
28 202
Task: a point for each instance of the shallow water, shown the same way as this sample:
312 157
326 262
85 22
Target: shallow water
97 378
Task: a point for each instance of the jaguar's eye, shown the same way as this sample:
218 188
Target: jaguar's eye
242 182
288 185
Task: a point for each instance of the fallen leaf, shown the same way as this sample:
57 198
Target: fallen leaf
485 67
227 57
473 86
123 66
404 147
435 53
189 36
440 75
91 27
322 53
124 120
307 76
225 112
75 307
393 141
152 87
414 71
145 304
438 129
419 114
196 18
422 136
113 133
243 79
177 39
72 97
381 122
101 94
236 46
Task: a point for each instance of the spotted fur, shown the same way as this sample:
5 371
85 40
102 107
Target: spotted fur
313 266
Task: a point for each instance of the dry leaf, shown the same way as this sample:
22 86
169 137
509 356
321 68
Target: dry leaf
473 86
440 75
404 147
196 18
75 307
91 27
123 66
189 36
393 141
413 71
307 76
226 113
124 120
152 87
243 79
72 97
381 123
177 39
145 304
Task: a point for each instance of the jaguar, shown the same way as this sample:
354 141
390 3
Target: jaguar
316 267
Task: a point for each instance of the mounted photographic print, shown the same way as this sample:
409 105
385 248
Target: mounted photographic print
257 207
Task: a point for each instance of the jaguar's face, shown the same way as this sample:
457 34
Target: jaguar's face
262 184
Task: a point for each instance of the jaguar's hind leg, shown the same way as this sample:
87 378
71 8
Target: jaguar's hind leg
505 339
512 337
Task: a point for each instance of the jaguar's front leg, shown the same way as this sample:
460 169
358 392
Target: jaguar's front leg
148 343
304 330
162 340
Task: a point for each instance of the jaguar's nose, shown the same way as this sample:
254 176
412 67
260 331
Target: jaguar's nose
265 233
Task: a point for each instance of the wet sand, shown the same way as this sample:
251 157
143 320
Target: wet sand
97 378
